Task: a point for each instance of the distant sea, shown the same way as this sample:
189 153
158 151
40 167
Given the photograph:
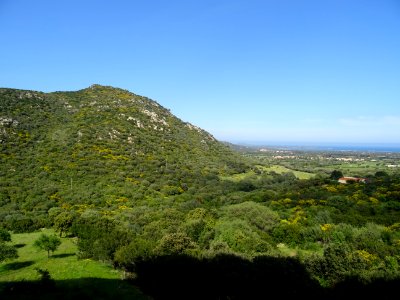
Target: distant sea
326 147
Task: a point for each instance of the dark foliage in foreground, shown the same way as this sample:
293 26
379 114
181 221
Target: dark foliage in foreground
231 277
73 289
224 277
221 277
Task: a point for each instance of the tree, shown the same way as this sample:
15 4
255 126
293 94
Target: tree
381 174
6 251
174 243
48 243
5 236
335 175
63 222
255 214
138 250
45 278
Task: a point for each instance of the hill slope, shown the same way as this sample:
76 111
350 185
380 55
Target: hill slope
100 147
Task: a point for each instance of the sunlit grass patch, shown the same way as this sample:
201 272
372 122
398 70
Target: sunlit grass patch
68 272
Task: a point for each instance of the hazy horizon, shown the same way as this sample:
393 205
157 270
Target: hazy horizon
334 146
283 71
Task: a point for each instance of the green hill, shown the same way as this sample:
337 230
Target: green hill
178 211
100 148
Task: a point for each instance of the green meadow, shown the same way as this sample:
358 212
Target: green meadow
274 168
72 276
281 170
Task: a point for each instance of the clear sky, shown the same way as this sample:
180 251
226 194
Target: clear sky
278 71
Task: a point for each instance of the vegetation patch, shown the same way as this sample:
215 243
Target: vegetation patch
282 170
259 169
71 276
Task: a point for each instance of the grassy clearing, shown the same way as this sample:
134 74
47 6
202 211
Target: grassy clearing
65 268
240 176
281 170
275 168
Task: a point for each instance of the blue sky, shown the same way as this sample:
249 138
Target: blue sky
274 71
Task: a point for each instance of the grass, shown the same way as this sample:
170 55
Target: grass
281 170
239 176
275 168
71 275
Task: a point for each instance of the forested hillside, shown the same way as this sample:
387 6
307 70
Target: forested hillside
179 211
102 149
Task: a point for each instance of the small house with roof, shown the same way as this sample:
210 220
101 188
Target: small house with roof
352 179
